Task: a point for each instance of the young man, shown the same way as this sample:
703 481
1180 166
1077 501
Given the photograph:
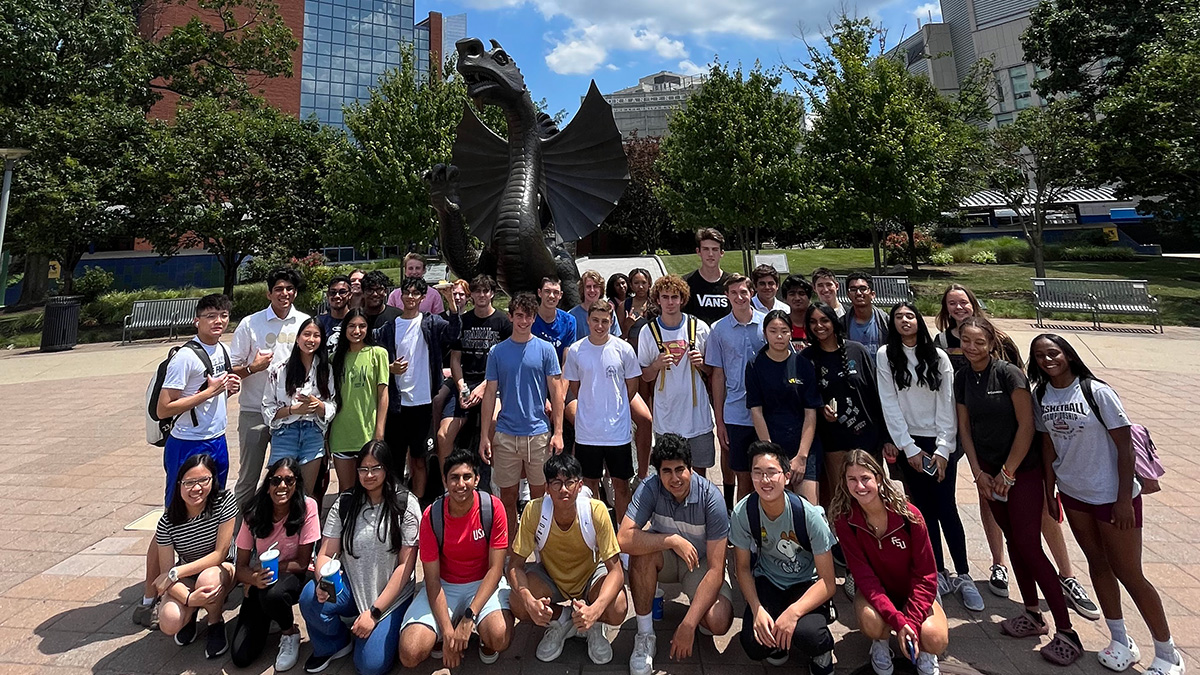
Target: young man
259 338
825 283
482 328
602 373
864 323
337 294
706 286
797 292
592 289
684 543
552 324
734 342
525 373
414 266
374 292
462 546
415 342
766 289
577 585
671 352
356 291
194 393
784 567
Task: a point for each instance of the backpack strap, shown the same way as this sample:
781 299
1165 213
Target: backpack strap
757 540
486 514
799 521
759 537
691 330
202 354
437 521
583 512
1085 385
656 333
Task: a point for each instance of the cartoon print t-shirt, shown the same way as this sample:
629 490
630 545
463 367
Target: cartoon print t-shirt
783 560
1086 462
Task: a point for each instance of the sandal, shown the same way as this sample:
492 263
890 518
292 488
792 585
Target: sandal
1062 651
1022 625
1118 657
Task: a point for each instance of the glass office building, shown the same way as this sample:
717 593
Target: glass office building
348 44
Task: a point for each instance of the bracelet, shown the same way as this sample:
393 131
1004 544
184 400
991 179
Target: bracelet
188 599
1009 479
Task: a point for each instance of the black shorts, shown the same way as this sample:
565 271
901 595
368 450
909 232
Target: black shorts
407 431
619 459
454 405
740 438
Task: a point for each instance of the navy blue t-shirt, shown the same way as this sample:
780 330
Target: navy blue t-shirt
783 399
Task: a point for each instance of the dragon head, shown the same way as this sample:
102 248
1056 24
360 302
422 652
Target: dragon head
492 76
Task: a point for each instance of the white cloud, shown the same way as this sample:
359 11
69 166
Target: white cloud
586 49
925 11
686 67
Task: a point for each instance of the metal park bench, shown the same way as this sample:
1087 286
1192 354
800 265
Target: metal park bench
888 291
1095 296
151 314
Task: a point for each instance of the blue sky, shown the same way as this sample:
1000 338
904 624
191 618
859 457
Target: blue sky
560 45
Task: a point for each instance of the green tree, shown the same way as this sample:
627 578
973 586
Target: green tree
640 216
731 159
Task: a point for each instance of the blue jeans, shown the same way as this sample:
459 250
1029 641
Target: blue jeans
329 633
302 440
176 452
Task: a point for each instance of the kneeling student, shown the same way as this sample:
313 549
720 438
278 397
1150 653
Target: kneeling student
577 585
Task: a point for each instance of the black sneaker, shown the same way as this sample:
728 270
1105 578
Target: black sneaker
187 634
1078 599
217 643
316 664
822 664
998 584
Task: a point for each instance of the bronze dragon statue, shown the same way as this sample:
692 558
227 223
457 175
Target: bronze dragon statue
516 194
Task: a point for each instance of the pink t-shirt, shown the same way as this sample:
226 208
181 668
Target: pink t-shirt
464 552
432 304
310 532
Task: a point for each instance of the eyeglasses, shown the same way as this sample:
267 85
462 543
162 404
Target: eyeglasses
560 484
371 470
276 481
859 290
765 476
373 290
195 482
211 316
339 292
553 294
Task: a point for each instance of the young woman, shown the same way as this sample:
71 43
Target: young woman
781 392
193 539
361 370
637 299
617 288
995 420
298 402
1088 456
887 550
279 517
916 390
372 530
958 305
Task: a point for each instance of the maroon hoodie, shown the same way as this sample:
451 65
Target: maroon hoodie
896 568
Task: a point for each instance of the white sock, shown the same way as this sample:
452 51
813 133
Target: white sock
1117 628
564 617
148 600
1166 651
645 623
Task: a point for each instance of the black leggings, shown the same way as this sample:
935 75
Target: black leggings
937 504
260 607
812 630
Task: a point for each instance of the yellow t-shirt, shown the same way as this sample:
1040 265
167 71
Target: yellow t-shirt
566 555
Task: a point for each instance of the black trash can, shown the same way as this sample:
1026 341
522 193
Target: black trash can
60 323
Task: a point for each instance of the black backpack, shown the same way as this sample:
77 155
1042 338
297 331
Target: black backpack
437 518
799 526
158 429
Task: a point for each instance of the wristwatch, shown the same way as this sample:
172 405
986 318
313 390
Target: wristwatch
173 575
469 615
376 613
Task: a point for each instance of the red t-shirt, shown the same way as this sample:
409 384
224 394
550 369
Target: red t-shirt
799 334
464 552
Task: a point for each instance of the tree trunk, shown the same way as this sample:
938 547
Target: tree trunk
36 282
229 264
1037 241
911 231
875 247
69 262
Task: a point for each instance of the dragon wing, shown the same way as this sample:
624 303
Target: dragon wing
586 169
482 160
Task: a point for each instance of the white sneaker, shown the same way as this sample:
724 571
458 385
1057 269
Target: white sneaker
1164 667
289 651
1119 657
642 660
881 657
556 635
599 649
927 664
486 658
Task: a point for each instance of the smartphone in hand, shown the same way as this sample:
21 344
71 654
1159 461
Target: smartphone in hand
928 465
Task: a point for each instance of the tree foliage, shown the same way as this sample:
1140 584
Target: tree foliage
639 215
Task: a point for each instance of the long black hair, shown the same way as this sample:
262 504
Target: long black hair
297 374
390 527
1037 377
610 289
259 509
928 369
177 510
343 346
839 331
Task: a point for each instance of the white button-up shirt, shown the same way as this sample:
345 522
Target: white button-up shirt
262 330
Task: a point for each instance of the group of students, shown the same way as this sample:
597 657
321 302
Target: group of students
830 420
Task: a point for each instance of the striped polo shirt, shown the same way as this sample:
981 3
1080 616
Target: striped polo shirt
700 518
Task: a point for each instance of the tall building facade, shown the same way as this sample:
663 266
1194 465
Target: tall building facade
645 107
435 38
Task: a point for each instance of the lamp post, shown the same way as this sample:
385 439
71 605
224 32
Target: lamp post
10 157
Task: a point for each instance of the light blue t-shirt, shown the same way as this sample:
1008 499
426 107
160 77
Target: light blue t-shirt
782 560
867 334
732 345
520 370
580 314
559 334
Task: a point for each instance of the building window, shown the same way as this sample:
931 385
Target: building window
1022 93
1004 119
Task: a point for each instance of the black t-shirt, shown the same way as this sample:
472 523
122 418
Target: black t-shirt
859 422
477 338
333 330
988 398
707 300
388 315
950 344
783 399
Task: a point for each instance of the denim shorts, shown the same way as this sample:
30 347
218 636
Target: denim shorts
303 441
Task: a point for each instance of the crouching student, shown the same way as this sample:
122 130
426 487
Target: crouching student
888 551
578 563
784 566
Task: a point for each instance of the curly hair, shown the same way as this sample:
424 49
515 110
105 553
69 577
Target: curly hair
889 493
670 282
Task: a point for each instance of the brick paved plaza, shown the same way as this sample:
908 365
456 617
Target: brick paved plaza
76 472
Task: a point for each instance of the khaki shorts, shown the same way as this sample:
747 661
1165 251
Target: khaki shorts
556 594
511 454
675 571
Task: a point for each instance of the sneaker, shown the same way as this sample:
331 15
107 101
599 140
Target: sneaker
881 658
849 587
968 593
821 665
927 664
998 584
187 634
1164 667
436 652
289 651
316 664
598 648
778 658
642 660
1078 599
944 587
146 615
217 642
488 659
555 637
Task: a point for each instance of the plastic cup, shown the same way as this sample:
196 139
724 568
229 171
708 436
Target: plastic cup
657 611
332 572
270 561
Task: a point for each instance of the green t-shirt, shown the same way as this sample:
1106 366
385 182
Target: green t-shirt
354 423
782 560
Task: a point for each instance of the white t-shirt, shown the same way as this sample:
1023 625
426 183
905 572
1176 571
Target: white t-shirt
262 330
186 373
681 404
603 416
414 384
777 304
1086 462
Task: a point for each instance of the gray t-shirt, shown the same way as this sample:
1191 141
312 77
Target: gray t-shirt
372 564
700 518
1086 462
782 560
